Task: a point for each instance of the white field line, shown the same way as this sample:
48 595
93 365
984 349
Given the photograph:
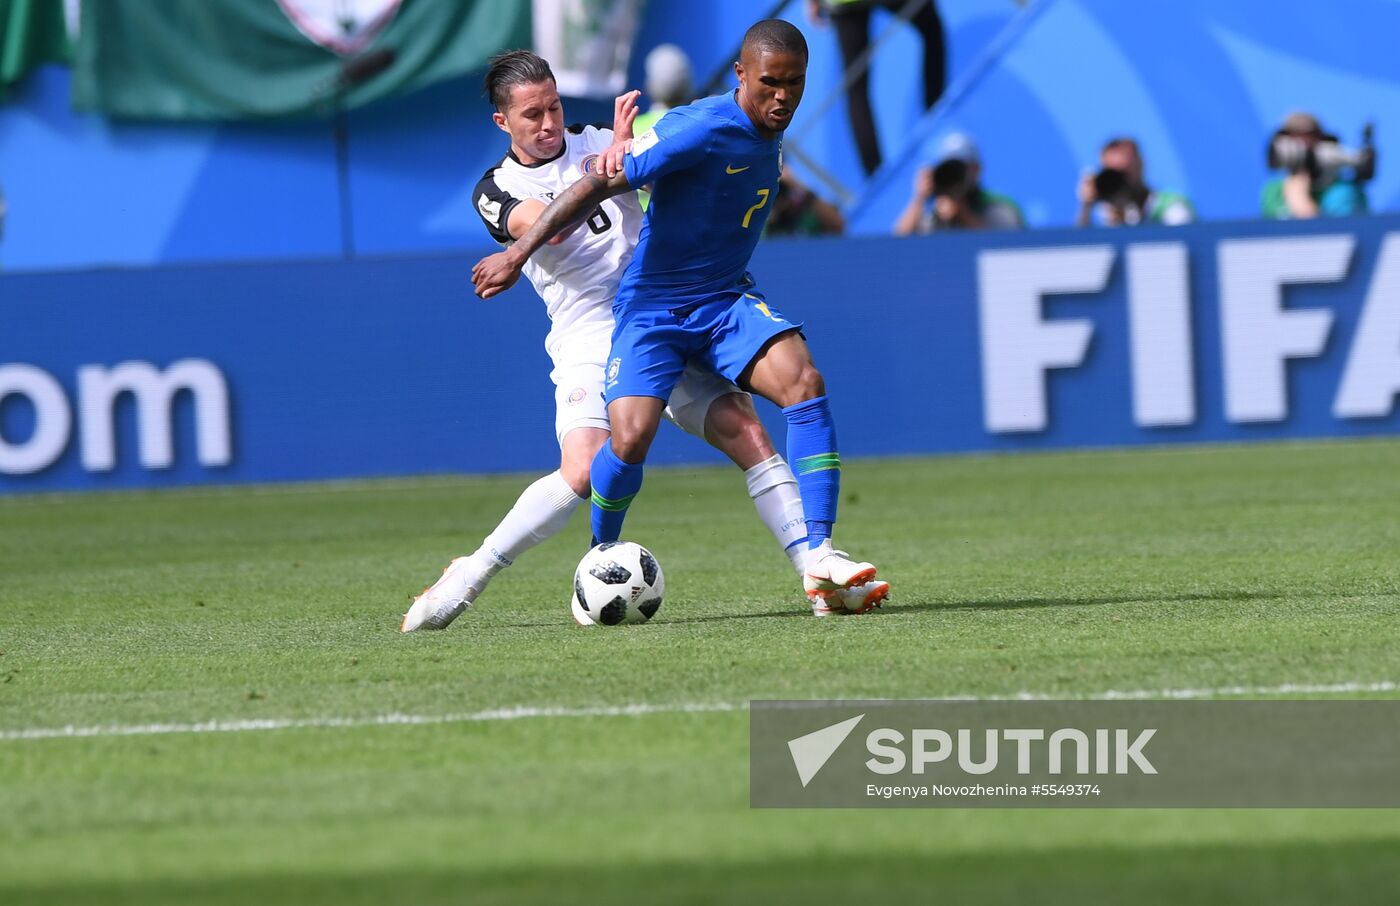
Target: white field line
523 713
379 720
1218 692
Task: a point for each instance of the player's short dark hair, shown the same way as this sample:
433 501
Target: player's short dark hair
774 36
513 67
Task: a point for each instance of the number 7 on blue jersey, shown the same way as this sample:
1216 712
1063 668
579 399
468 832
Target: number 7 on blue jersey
762 200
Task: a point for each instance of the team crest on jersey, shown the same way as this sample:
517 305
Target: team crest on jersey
613 368
588 164
576 396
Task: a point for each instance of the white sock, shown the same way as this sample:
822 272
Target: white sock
541 512
775 496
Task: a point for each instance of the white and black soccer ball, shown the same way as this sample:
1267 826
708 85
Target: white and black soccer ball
617 582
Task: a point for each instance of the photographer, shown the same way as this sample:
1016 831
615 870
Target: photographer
950 196
1315 162
1122 196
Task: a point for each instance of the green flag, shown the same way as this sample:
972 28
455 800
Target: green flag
31 32
255 59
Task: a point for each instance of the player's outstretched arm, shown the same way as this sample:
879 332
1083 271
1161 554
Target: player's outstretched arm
497 273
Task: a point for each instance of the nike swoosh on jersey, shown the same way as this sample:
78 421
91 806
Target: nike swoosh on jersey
728 168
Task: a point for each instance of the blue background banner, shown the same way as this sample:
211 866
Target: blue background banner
392 367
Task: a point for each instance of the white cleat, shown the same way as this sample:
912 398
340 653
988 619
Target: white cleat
829 570
858 599
444 601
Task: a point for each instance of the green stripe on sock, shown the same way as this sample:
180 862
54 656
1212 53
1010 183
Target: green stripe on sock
612 506
819 463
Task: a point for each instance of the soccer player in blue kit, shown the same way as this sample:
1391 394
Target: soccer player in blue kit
687 294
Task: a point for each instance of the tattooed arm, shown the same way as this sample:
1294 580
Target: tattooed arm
497 273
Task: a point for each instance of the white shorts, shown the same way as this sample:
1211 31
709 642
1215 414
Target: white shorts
578 396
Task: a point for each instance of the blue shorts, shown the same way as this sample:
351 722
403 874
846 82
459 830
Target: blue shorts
650 346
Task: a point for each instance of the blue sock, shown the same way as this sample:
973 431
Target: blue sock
615 483
811 448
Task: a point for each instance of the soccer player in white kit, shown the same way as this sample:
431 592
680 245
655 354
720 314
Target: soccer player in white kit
577 275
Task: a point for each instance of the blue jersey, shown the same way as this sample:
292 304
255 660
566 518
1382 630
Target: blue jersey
714 180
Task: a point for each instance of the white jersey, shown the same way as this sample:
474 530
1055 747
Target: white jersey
578 278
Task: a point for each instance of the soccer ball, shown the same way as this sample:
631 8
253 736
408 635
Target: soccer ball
617 582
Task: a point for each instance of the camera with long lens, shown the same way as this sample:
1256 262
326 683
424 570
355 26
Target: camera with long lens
1111 186
950 178
1324 158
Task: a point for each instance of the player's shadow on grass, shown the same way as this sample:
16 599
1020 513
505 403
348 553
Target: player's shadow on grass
894 608
797 611
1096 601
708 618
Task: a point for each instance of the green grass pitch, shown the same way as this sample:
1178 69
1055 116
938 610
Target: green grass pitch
1073 574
